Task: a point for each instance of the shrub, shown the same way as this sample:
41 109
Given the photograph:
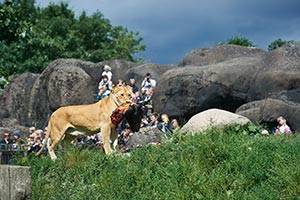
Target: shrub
239 40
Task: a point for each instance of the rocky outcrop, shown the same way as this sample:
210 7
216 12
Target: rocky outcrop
183 92
15 101
213 118
266 111
240 75
144 137
139 72
219 53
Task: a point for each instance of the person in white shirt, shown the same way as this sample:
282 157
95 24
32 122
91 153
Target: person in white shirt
148 82
107 72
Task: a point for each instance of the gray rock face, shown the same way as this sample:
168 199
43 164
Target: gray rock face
220 53
267 111
139 72
183 92
280 72
240 75
145 136
15 183
15 101
213 118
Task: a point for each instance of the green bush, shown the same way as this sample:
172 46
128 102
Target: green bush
221 164
239 40
278 43
31 37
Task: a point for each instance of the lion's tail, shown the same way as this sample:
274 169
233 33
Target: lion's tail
47 137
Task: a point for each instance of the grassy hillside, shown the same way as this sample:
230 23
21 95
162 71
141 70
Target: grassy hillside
222 164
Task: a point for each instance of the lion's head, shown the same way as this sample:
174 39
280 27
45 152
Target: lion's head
122 95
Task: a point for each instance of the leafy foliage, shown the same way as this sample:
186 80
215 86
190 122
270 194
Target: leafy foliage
31 37
277 43
239 40
221 164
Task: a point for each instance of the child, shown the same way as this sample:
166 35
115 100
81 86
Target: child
104 87
282 127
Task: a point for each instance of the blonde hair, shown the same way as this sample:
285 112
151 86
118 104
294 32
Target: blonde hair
165 118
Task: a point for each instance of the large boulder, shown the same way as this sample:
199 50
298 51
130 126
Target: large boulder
183 92
280 72
267 110
219 53
144 137
63 82
213 118
139 72
15 100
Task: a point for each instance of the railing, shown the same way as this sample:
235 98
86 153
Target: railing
7 153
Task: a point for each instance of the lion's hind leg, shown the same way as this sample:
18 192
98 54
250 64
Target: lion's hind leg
57 134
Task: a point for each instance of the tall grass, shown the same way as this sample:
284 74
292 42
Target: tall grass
221 164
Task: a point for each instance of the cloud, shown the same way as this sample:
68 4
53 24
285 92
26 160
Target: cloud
171 28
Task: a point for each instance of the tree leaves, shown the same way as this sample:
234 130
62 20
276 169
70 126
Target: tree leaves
31 37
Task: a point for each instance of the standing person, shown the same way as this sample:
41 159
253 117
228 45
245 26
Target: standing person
148 82
107 72
282 127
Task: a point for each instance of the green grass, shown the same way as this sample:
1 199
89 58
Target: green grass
221 164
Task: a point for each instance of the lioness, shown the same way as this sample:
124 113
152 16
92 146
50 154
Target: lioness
70 121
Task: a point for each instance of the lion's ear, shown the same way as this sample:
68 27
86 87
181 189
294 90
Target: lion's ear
115 89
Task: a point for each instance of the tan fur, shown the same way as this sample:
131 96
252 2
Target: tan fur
88 119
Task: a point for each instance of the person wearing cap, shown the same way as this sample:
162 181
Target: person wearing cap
107 72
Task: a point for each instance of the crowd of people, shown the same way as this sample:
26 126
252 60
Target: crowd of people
142 96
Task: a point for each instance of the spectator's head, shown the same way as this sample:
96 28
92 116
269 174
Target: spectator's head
106 68
6 134
281 120
132 81
39 133
175 123
154 117
31 138
148 75
104 78
165 118
120 83
17 134
31 129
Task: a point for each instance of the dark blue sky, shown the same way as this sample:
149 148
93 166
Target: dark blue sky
172 28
